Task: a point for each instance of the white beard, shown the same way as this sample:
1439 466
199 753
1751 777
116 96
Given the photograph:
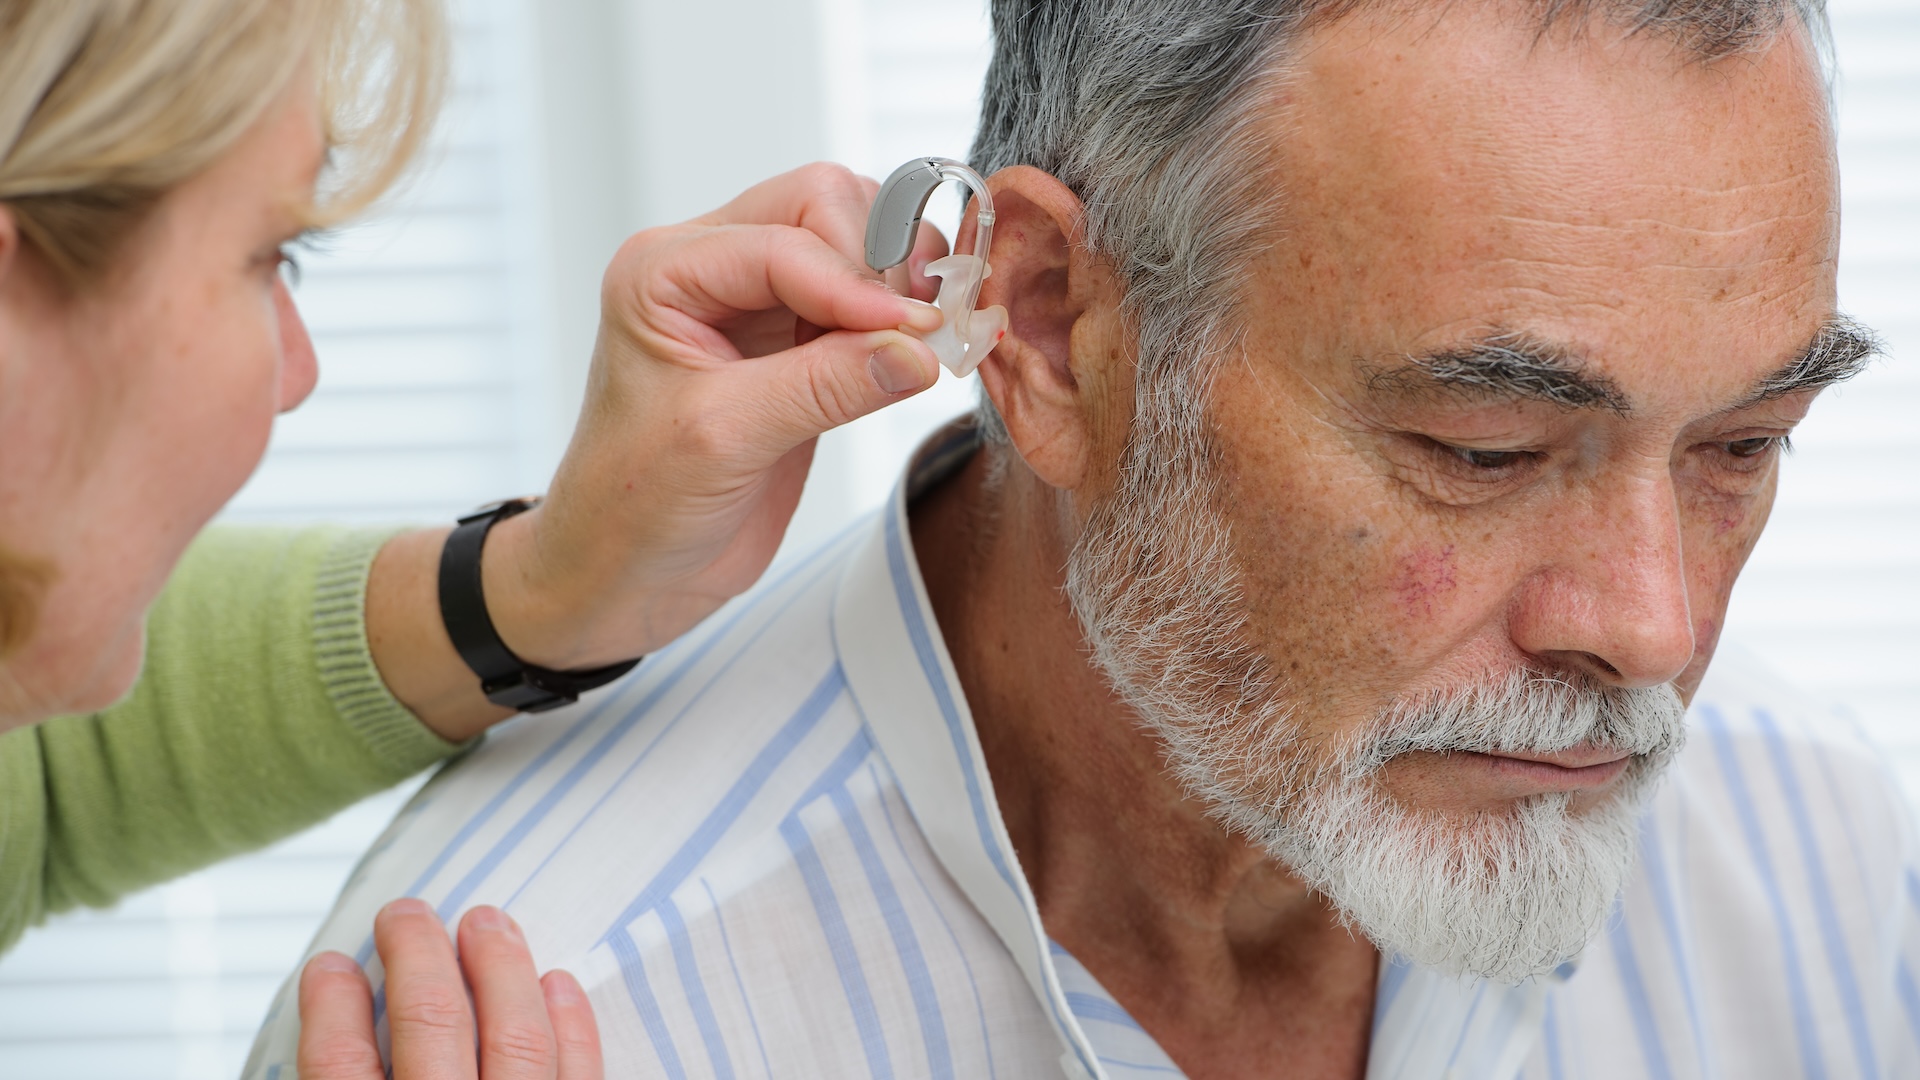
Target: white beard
1502 896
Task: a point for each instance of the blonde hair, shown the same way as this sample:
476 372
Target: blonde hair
106 105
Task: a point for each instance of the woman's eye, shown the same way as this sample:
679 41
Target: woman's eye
1489 460
289 265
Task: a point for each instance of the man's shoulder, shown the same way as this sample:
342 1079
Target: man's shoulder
574 816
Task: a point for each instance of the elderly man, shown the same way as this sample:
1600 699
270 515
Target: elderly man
1285 676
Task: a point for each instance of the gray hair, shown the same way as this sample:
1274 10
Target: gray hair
1148 111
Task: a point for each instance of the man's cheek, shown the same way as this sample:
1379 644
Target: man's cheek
1327 593
1719 536
1425 581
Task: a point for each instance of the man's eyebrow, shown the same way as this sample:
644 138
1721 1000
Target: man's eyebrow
1505 364
1842 349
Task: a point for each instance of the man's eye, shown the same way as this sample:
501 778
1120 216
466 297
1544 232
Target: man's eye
1753 448
1489 460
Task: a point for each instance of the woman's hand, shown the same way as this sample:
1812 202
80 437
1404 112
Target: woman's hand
727 345
701 414
519 1026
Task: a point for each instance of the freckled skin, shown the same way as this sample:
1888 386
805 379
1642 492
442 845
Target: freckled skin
1445 176
1425 578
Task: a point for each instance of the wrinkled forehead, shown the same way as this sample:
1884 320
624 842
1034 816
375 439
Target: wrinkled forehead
1466 169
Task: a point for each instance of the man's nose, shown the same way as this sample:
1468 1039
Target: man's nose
1612 599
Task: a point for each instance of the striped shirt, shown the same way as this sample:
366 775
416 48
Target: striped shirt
774 851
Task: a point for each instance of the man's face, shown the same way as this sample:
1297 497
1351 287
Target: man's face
1498 409
1518 369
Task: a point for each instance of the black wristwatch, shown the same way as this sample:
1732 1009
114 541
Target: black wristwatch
506 679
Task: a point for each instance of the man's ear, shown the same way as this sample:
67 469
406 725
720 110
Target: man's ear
1049 284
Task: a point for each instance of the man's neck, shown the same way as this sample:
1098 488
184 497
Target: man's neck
1223 956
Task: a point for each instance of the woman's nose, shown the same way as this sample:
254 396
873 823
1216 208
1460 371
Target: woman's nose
299 369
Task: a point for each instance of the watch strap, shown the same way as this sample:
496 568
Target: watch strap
506 680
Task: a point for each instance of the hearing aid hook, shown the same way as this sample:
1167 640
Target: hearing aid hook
966 336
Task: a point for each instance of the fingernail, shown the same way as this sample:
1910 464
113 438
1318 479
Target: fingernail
896 369
563 989
333 961
921 316
493 921
408 906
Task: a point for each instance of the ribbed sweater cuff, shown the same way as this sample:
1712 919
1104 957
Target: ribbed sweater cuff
345 660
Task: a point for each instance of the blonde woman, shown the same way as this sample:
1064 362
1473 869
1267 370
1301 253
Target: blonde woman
156 159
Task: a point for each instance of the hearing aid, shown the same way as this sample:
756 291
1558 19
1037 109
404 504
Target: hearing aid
965 336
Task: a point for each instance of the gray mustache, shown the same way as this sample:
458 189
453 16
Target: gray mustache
1525 712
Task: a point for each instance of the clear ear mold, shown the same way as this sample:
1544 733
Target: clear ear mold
966 336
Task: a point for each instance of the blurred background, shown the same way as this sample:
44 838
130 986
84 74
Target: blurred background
454 333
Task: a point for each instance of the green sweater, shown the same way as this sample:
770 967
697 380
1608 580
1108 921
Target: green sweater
259 712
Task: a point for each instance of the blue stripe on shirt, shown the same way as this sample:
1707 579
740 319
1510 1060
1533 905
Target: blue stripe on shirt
1466 1026
633 971
1724 751
734 803
533 768
966 965
1134 1066
846 960
739 984
1634 987
695 988
1550 1036
906 944
1909 997
1088 1007
1392 979
487 866
1666 906
1825 915
492 806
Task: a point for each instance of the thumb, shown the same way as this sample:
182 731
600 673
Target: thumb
836 378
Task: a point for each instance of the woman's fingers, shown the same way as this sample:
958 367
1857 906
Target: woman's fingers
715 275
826 199
833 203
336 1021
573 1027
516 1037
841 376
528 1029
427 1013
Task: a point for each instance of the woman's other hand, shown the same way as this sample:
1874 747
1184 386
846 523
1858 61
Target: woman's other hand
518 1027
727 345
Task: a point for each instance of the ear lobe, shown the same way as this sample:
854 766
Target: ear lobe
1044 279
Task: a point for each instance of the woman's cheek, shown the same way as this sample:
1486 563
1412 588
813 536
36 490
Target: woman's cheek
224 412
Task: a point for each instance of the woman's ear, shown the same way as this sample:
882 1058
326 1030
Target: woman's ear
1049 284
